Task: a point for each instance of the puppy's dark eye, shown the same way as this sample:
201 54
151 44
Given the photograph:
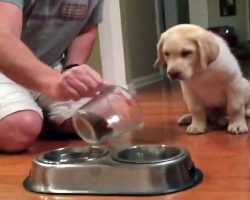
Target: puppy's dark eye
186 53
166 54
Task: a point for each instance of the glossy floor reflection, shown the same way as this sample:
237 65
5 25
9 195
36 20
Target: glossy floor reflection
223 158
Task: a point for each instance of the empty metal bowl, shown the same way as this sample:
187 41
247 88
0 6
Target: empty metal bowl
72 155
128 170
146 154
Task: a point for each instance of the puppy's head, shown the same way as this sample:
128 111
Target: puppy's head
186 49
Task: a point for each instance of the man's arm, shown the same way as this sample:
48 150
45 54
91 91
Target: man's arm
81 47
17 61
22 66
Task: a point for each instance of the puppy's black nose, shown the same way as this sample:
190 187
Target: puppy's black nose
173 74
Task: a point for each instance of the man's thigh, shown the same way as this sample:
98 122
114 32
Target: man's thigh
59 111
14 98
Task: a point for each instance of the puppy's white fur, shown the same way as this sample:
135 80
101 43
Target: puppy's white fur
209 74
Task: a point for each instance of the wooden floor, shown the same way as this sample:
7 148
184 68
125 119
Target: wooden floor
223 158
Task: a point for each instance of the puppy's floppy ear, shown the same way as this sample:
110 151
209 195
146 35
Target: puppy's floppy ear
208 48
160 58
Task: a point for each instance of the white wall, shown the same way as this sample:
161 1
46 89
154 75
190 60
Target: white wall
128 42
198 11
206 13
239 21
111 44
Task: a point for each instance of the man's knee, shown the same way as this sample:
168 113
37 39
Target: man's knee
19 130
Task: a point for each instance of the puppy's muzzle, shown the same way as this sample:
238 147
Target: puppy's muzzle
174 74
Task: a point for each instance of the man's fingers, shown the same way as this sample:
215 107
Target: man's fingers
77 82
91 83
89 76
64 92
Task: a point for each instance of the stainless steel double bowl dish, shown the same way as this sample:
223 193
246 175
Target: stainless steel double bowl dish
127 170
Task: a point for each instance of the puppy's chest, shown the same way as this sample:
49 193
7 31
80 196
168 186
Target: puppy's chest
210 91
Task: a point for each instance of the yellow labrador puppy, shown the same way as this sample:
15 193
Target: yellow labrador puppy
209 74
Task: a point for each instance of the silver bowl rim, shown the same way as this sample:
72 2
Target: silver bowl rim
115 153
40 158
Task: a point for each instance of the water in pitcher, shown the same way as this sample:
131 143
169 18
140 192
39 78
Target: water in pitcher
114 111
94 129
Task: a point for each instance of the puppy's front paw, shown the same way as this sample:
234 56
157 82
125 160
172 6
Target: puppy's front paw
238 127
185 119
196 128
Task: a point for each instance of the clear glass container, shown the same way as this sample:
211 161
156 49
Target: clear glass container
113 112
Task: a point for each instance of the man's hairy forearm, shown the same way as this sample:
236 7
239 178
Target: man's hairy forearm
21 65
81 47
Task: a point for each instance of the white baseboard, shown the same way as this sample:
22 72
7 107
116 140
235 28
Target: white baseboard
144 81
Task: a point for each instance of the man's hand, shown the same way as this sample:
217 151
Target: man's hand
78 82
